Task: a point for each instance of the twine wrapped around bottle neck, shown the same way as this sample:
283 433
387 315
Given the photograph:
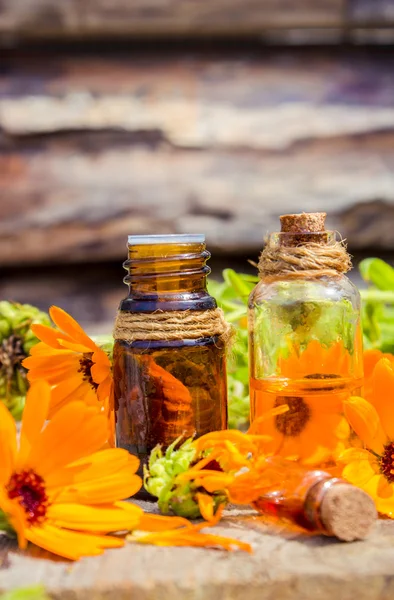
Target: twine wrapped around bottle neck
172 325
304 249
305 260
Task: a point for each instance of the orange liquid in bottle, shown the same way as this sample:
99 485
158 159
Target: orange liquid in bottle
314 428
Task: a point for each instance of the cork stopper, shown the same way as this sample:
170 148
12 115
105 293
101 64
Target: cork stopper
303 223
300 229
347 512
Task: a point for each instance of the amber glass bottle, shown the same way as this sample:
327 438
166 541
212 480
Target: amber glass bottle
305 343
166 388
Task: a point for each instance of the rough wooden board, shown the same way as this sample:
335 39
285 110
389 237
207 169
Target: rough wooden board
259 101
35 19
67 205
93 149
38 18
285 565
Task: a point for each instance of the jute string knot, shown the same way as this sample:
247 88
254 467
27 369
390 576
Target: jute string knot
172 325
305 260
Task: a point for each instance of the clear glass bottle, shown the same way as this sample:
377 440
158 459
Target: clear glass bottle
306 352
167 388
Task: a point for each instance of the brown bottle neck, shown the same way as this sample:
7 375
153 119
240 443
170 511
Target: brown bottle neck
168 276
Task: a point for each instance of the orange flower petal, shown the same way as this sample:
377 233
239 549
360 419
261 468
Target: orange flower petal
358 472
188 537
152 523
99 371
380 490
75 431
105 390
48 335
50 360
80 348
53 376
15 516
70 326
70 544
100 518
214 482
354 454
34 417
385 489
91 468
66 391
371 359
364 419
206 506
383 395
268 415
7 444
105 489
106 461
201 464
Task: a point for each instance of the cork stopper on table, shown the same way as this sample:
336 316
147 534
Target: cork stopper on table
347 512
300 227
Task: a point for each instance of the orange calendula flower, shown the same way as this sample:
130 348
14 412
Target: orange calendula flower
313 426
371 359
56 489
234 470
71 362
372 467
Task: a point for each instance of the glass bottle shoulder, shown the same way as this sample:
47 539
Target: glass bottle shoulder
324 289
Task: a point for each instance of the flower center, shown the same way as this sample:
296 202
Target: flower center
11 355
292 422
386 462
322 377
86 364
30 489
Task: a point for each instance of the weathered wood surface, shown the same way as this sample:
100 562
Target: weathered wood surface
284 565
81 18
367 12
37 18
95 148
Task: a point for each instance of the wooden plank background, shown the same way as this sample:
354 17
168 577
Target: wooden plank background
105 130
94 147
38 19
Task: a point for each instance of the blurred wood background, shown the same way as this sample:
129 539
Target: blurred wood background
170 116
37 19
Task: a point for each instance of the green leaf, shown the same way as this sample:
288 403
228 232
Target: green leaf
378 296
36 592
238 283
377 272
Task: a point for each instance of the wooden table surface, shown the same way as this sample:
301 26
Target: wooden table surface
284 565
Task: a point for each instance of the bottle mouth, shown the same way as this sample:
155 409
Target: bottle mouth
181 238
286 238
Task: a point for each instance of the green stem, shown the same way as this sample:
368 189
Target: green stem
377 296
4 524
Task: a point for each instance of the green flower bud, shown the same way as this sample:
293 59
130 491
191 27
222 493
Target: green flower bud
7 309
16 341
5 329
21 381
160 476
